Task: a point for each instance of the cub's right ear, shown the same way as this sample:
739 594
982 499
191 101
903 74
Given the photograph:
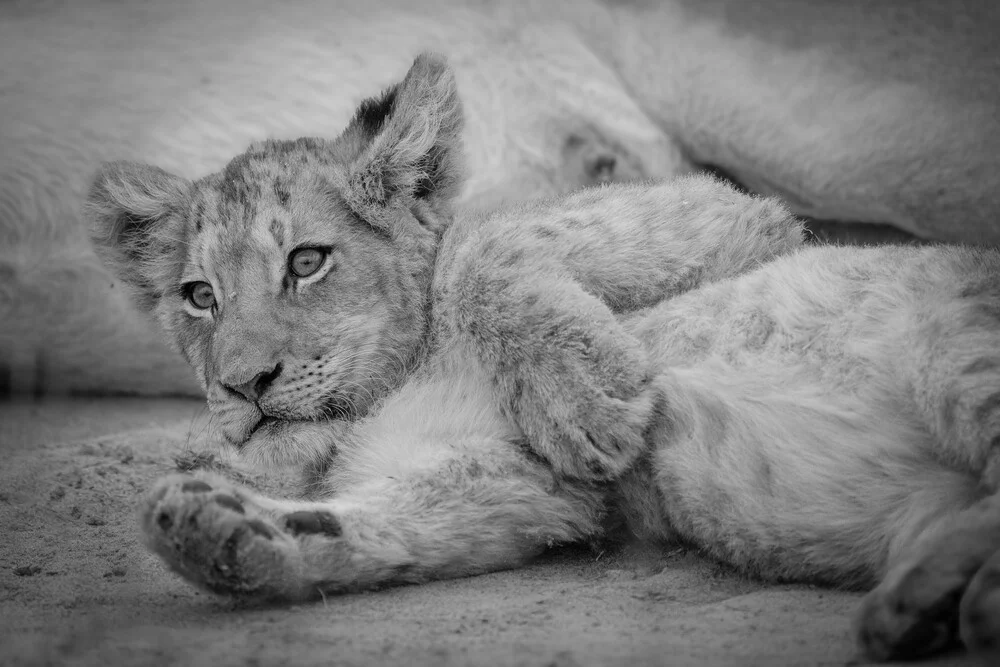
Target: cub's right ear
136 216
408 146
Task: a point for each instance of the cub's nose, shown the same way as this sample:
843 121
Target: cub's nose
253 388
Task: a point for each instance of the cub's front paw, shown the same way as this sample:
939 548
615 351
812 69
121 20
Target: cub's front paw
588 430
219 537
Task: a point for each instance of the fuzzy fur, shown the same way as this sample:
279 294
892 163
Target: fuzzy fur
465 390
850 110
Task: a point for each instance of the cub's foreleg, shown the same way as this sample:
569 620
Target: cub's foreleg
460 516
537 291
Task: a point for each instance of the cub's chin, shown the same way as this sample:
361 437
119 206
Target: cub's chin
237 422
266 440
267 427
278 442
242 424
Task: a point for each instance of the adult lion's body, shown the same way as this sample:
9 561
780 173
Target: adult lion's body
880 114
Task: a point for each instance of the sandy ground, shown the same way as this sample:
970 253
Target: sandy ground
76 587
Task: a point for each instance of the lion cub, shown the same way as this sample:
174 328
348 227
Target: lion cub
465 390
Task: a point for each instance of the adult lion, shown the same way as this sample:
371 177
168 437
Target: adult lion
874 112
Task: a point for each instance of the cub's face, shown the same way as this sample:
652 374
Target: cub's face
288 305
296 281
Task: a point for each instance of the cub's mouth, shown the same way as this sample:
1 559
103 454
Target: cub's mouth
267 426
270 427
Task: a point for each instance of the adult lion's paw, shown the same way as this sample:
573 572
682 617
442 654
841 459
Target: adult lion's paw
217 536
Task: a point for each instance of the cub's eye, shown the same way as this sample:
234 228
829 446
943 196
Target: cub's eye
200 295
304 262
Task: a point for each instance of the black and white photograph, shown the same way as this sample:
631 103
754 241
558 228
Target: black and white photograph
528 333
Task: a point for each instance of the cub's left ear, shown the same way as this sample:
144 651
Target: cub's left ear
136 216
409 141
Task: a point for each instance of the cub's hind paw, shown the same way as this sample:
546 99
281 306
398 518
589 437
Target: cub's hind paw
979 612
913 613
924 606
213 534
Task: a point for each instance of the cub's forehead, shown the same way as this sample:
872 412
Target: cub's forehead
276 195
270 176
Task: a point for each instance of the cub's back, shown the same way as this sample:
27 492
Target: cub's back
841 315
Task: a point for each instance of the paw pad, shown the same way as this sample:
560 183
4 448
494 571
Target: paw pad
229 503
260 528
196 486
312 523
222 539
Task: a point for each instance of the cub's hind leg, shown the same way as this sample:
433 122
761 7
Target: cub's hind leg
952 356
949 338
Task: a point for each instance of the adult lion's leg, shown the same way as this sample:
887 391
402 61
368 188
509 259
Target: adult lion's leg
455 516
